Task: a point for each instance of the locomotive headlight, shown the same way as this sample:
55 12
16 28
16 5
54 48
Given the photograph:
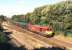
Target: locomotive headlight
49 32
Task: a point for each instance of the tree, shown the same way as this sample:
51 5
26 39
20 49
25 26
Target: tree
2 35
58 15
2 18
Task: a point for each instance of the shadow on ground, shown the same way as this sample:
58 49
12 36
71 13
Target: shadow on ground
8 46
49 48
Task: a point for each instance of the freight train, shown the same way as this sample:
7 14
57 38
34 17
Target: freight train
41 30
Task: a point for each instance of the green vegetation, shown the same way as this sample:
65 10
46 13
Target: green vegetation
2 18
2 35
2 38
58 15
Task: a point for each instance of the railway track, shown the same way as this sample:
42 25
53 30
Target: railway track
15 42
23 36
52 41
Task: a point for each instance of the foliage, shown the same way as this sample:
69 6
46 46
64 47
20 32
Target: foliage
2 18
58 15
3 38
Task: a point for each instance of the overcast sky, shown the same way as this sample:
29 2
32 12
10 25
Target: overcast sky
11 7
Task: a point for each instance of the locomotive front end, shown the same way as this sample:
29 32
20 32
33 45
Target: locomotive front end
49 33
